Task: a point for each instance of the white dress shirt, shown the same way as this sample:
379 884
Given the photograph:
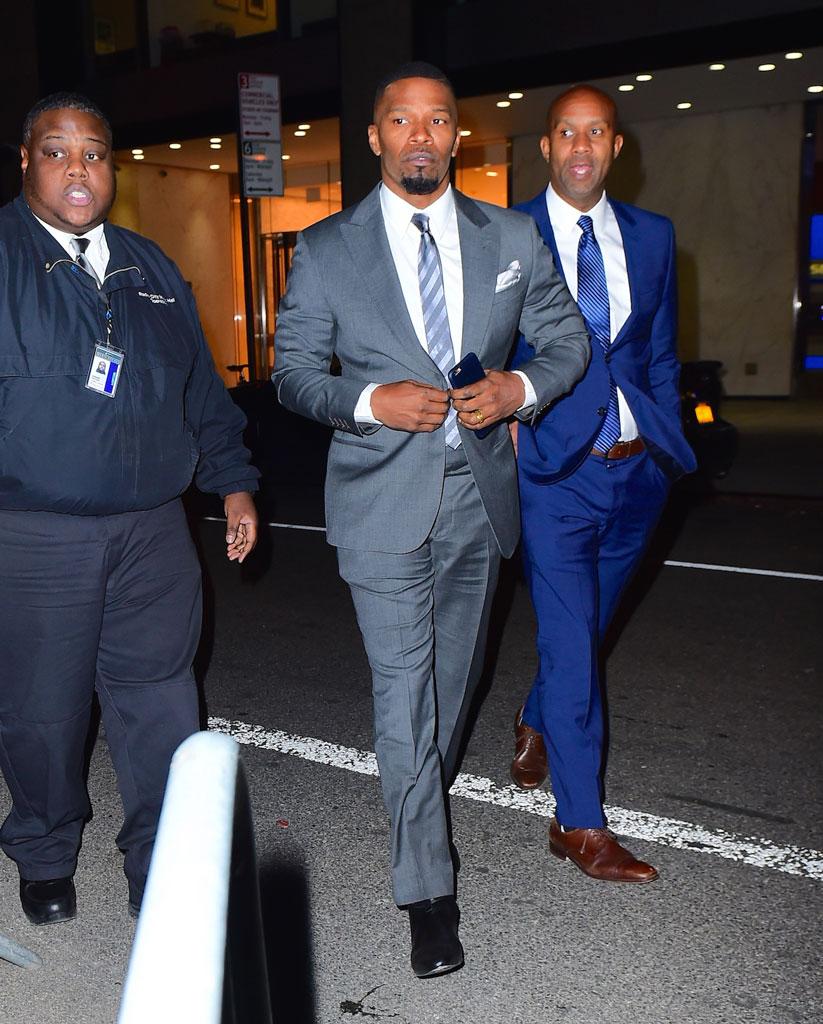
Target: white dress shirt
97 252
564 218
404 243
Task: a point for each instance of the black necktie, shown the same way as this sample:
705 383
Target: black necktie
80 245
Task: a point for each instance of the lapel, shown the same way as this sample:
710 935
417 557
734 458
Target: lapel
364 236
539 212
633 251
480 256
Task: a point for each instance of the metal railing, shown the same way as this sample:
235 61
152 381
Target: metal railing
198 953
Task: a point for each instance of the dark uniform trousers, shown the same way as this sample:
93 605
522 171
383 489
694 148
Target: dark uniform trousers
106 604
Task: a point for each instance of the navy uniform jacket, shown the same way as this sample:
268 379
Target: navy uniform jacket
64 448
642 359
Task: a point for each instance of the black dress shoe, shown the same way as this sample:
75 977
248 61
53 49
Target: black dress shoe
47 901
435 947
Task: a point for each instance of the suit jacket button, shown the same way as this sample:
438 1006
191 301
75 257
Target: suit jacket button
601 411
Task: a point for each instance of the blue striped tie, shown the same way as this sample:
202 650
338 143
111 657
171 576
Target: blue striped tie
435 315
593 300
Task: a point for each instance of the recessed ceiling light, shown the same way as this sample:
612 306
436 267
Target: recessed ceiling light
684 106
304 127
215 145
642 78
285 156
815 88
300 133
139 156
136 152
215 138
717 67
793 55
504 103
214 167
491 174
175 145
625 88
765 67
465 132
515 95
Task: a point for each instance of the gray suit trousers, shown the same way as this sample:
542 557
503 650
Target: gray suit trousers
424 616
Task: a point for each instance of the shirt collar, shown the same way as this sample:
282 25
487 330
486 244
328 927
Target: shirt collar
398 213
94 236
564 216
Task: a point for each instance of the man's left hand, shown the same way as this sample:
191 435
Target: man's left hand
241 525
496 397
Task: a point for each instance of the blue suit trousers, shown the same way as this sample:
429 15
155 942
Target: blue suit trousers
583 537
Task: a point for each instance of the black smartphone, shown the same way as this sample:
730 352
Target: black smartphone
469 371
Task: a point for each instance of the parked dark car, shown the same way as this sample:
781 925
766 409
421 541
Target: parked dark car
713 439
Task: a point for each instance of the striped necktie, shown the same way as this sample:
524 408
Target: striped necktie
593 300
80 245
435 315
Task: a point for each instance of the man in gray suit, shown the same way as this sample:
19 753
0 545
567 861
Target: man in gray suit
420 508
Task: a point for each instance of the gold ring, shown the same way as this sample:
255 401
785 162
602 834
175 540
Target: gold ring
478 416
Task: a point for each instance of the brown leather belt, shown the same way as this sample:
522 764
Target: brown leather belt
622 450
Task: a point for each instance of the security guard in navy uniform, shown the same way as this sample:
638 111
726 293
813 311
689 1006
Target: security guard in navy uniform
109 404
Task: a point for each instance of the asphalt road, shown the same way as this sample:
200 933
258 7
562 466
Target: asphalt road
714 774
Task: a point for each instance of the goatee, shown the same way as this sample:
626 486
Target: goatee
419 186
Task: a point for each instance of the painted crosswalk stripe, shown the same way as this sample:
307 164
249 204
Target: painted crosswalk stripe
680 835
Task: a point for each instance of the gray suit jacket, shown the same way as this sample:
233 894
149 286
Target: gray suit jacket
383 487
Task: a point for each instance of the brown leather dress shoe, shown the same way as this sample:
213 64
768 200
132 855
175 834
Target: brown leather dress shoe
529 767
598 854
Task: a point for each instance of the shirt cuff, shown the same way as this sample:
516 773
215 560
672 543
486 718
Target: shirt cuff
531 396
363 415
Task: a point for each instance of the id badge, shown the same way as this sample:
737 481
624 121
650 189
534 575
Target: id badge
104 372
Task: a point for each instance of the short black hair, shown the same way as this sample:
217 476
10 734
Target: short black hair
412 69
63 101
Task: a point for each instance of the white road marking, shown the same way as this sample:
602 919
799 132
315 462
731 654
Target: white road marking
748 572
677 565
680 835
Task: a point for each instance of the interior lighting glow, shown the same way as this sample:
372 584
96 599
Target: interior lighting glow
139 156
642 78
175 145
684 106
465 132
815 88
285 156
491 174
515 95
765 67
793 55
703 413
136 152
504 103
300 133
214 167
304 127
717 67
625 88
215 145
215 138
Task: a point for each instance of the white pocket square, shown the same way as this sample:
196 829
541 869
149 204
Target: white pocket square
506 278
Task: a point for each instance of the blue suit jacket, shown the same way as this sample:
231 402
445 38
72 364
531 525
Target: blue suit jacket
642 359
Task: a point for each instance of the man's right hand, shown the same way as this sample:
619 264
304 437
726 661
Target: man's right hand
410 405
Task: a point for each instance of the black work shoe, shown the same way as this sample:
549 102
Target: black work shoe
435 947
47 901
134 909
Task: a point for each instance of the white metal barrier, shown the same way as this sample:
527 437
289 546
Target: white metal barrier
198 955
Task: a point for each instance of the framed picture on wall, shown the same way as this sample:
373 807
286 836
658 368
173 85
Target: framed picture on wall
233 5
257 8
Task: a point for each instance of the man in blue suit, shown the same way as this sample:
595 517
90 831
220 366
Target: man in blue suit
595 470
